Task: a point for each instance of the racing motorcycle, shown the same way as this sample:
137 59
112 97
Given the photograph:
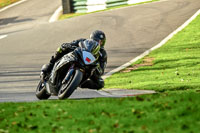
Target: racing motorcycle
69 72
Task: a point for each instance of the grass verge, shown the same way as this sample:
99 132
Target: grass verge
158 113
4 3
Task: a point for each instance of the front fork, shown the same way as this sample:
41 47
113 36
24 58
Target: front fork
69 73
47 87
44 81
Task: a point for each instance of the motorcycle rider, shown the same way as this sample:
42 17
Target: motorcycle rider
95 81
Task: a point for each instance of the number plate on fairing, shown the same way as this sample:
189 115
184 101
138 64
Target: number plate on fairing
88 58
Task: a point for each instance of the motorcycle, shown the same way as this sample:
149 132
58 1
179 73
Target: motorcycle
69 72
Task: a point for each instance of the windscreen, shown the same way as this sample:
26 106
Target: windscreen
91 46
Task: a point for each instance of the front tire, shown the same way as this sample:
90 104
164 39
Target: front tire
41 92
68 88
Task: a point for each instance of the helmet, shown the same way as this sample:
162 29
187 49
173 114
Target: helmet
98 35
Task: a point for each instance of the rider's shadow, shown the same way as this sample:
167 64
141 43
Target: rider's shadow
11 20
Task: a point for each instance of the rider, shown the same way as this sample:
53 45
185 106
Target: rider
95 81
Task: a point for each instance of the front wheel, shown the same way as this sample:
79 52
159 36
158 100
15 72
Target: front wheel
41 92
68 88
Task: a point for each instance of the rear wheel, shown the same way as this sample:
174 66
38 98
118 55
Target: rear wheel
41 92
68 88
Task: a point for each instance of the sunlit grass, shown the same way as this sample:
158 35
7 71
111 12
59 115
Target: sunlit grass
157 113
4 3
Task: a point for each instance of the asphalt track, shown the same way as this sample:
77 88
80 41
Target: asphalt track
130 31
26 15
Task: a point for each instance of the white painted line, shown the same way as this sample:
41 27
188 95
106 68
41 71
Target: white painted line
56 15
155 47
16 90
12 5
3 36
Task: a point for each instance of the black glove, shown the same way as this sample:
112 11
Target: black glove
67 47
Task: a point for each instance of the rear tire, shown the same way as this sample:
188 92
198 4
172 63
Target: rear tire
41 92
68 88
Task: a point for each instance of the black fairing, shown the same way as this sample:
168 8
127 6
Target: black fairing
78 54
87 68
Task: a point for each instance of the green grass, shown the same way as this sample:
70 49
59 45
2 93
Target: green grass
158 113
4 3
70 15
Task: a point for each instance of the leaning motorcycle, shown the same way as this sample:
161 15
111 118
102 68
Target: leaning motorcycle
69 72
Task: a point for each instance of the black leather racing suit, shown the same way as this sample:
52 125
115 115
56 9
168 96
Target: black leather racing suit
95 81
